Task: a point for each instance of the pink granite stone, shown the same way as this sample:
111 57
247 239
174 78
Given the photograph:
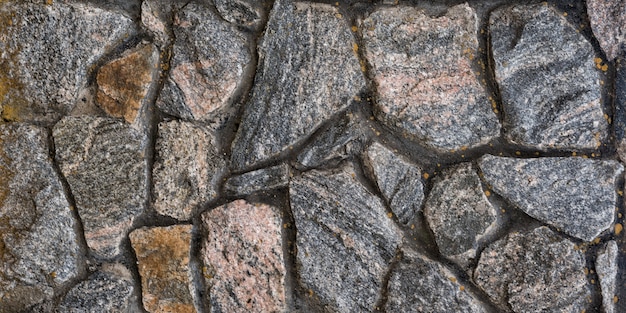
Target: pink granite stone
608 22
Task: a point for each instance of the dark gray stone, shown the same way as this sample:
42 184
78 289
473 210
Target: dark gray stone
297 87
240 12
576 195
104 161
538 271
549 86
263 179
607 268
608 23
620 106
426 85
399 181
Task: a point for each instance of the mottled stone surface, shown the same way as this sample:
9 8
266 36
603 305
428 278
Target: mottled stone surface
345 240
426 86
46 52
243 257
608 23
575 195
399 181
459 212
208 61
163 262
538 271
104 162
607 267
38 244
263 179
297 87
418 284
548 81
240 12
187 169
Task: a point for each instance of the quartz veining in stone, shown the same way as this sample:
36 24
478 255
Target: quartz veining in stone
262 179
608 23
607 268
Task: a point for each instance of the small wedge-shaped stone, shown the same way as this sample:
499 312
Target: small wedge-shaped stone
608 23
263 179
39 247
548 80
297 87
576 195
345 239
538 271
426 86
104 162
418 284
398 180
607 268
243 257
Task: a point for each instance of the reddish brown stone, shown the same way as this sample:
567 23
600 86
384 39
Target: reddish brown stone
608 22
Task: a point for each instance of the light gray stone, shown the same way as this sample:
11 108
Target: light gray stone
240 12
576 195
297 87
549 85
607 268
608 23
262 179
345 240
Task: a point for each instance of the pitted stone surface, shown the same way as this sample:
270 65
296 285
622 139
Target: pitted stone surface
548 81
240 12
608 22
46 52
398 180
39 248
243 256
576 195
459 212
538 271
425 83
104 162
263 179
345 239
297 87
607 269
187 169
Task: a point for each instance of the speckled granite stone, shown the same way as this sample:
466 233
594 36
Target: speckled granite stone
262 179
607 269
608 22
240 12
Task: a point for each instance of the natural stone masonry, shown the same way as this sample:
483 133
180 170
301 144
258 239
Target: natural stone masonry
607 267
608 22
263 179
296 87
425 82
548 80
620 106
240 12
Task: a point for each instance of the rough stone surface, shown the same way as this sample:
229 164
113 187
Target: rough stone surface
163 261
263 179
607 267
296 87
459 212
538 271
345 240
608 22
549 85
243 258
425 84
575 195
418 284
38 246
46 52
398 180
207 65
187 168
240 12
104 162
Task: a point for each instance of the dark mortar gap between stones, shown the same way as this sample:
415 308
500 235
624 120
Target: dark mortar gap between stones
595 302
384 294
132 8
129 259
620 239
196 266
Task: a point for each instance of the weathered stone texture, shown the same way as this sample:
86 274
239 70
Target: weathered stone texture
538 271
425 83
104 162
163 261
576 195
187 169
39 248
46 54
263 179
297 87
345 239
243 257
240 12
549 85
607 268
608 22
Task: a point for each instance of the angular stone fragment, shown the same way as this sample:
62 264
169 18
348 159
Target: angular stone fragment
607 267
538 271
105 165
575 195
425 83
418 284
548 81
243 257
345 239
459 212
123 83
187 169
608 23
46 54
241 12
207 65
398 180
163 261
297 87
263 179
38 244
